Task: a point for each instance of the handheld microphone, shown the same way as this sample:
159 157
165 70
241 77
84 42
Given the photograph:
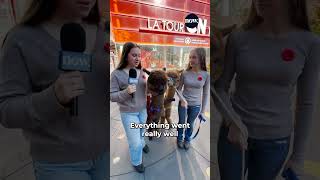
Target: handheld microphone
146 71
132 78
72 58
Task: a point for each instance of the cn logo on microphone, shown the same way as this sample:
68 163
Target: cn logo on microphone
73 61
133 80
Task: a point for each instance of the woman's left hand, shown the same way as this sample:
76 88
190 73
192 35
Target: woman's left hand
237 137
184 103
296 167
202 116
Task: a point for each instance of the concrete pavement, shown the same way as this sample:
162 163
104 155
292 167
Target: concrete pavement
164 161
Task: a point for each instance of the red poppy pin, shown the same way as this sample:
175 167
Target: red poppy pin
199 78
143 76
287 54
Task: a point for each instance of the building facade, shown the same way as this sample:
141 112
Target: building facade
158 26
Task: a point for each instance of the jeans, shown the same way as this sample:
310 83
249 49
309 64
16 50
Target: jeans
192 113
263 159
134 136
95 169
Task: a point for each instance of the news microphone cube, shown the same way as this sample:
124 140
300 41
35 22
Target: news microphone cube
74 61
133 81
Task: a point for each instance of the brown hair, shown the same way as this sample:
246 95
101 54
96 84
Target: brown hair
40 11
298 15
124 55
201 52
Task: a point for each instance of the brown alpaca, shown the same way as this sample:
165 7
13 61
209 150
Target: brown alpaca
156 85
174 77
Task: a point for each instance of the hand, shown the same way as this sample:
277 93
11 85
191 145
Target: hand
184 103
68 86
296 167
237 137
202 117
131 89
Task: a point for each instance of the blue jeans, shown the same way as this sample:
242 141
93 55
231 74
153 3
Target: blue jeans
95 169
191 112
134 136
263 159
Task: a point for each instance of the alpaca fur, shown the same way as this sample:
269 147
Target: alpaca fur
174 77
157 84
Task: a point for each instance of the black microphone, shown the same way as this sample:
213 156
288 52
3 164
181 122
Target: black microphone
146 71
132 78
72 58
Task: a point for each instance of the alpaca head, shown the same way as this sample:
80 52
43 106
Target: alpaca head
157 82
173 78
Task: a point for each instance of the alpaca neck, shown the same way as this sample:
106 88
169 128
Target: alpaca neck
170 92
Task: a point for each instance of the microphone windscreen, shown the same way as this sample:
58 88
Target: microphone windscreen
73 38
132 73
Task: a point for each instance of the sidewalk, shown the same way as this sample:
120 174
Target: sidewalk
164 161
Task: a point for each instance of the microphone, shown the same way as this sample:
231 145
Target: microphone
132 78
72 58
146 71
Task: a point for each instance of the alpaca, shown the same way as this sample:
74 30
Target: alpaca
174 77
156 86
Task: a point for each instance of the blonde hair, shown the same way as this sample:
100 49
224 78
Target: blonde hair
298 15
201 52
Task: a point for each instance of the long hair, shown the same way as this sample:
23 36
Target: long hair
40 11
124 55
298 15
201 52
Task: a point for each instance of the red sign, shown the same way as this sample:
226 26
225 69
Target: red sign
147 22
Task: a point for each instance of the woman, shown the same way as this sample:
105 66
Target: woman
35 95
196 85
275 53
131 99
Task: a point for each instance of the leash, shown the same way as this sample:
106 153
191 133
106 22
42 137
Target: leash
243 170
289 174
201 121
199 116
225 111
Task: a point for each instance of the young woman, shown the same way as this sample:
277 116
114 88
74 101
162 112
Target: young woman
273 55
195 82
35 95
131 99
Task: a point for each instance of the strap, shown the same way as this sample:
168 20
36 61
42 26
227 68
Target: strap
4 40
202 120
155 109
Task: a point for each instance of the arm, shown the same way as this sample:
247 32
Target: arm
306 100
181 82
117 95
183 101
19 106
222 85
205 94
